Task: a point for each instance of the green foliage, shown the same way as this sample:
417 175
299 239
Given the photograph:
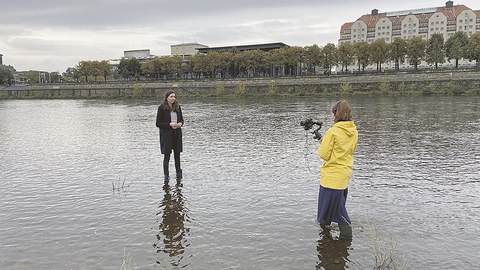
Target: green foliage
93 69
272 88
416 50
435 52
138 91
456 47
329 57
346 55
401 87
346 87
129 68
362 53
6 75
398 51
241 89
379 52
220 89
384 87
473 48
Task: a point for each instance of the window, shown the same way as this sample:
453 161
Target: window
379 28
461 21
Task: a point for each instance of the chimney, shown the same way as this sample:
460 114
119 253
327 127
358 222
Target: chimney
374 11
449 4
1 61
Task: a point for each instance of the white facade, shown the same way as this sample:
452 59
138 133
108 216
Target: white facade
383 29
410 27
466 22
359 31
437 24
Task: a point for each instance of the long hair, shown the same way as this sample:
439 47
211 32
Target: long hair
175 105
342 111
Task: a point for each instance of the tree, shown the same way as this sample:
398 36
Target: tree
473 48
435 52
416 51
379 52
362 53
86 68
104 68
129 68
456 47
294 56
277 59
398 50
313 57
346 55
6 75
330 57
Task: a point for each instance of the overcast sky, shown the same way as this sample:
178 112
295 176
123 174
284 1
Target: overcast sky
54 35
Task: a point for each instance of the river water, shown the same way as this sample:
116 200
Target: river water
82 185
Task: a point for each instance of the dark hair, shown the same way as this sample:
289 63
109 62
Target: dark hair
342 111
175 105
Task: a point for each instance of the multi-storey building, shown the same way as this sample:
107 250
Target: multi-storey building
423 22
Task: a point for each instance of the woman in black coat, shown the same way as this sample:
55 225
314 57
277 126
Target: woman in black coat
170 122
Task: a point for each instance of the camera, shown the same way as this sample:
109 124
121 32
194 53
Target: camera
308 124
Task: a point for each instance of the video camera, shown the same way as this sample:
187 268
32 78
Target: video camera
308 124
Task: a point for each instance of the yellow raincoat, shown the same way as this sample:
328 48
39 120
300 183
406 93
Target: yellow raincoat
336 149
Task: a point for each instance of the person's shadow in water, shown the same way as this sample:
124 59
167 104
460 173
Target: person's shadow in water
332 253
171 240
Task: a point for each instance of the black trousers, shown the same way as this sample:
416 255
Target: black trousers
176 155
166 161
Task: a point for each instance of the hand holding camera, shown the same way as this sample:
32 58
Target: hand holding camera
309 123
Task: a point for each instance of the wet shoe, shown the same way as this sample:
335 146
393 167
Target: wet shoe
345 232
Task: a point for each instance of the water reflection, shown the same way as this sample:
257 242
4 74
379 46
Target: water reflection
171 239
332 253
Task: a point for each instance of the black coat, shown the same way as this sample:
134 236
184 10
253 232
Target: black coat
167 133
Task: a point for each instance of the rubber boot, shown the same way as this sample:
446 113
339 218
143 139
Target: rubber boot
345 231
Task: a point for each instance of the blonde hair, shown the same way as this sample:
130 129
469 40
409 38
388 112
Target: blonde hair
342 111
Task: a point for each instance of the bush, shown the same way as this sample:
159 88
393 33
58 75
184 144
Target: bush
241 89
138 91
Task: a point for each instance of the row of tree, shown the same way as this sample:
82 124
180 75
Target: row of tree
306 60
290 61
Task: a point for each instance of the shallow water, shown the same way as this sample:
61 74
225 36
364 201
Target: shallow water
249 193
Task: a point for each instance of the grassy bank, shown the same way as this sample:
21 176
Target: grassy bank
466 83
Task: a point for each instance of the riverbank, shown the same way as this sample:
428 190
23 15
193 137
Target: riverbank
433 83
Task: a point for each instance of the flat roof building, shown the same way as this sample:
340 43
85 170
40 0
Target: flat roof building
139 54
186 49
262 47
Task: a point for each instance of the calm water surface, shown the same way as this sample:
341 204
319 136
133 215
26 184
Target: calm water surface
249 194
